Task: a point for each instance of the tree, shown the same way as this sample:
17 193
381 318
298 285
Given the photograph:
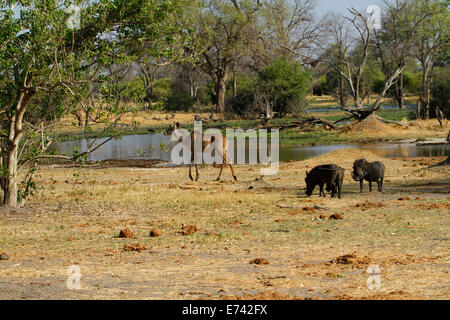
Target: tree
223 37
40 55
433 35
352 68
287 23
394 41
340 34
286 84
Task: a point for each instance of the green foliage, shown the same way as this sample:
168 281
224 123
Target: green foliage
132 91
440 90
373 79
204 96
244 83
412 81
320 86
43 62
162 89
181 101
286 84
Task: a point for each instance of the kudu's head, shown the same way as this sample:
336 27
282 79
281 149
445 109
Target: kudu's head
174 126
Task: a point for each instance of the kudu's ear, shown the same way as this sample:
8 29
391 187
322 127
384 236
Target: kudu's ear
177 125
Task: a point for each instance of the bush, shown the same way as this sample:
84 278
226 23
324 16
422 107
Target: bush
244 83
179 102
320 86
286 84
440 91
242 105
412 81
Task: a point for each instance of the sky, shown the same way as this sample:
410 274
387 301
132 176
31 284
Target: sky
340 6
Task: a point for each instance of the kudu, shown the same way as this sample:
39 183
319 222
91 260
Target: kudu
206 139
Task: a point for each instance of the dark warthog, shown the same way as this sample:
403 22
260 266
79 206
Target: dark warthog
336 184
329 174
369 171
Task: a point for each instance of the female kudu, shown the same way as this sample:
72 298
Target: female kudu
206 139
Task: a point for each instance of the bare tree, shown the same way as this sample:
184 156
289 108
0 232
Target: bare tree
290 24
353 73
339 31
432 36
395 40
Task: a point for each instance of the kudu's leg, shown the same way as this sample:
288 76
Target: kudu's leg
232 172
220 172
230 163
224 157
190 172
196 172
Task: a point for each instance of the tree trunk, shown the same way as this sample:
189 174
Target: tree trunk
87 119
425 94
221 78
419 108
10 151
220 93
10 188
341 91
234 84
399 92
427 106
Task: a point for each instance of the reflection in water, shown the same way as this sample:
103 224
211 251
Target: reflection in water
157 146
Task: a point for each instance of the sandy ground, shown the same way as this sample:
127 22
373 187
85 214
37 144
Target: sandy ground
77 213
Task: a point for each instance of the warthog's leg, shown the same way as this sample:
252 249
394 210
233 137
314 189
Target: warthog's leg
380 185
339 190
370 185
322 192
333 190
361 185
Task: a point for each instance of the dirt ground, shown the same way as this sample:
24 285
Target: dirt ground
205 234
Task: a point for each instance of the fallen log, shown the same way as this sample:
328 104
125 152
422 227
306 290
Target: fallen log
305 123
392 121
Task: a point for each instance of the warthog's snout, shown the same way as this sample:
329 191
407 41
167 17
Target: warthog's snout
356 177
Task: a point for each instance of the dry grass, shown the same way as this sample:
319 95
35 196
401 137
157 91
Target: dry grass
76 216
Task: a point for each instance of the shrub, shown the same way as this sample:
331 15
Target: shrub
286 84
179 102
440 91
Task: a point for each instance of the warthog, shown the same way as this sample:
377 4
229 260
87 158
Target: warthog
336 184
369 171
329 174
